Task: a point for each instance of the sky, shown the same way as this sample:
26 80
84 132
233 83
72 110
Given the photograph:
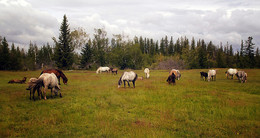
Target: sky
37 21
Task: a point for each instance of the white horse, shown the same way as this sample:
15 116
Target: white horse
146 72
242 76
103 69
49 81
212 74
177 73
231 72
128 76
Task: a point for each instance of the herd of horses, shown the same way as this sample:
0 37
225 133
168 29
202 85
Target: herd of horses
211 75
50 79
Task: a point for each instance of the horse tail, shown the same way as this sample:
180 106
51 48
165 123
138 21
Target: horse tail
136 76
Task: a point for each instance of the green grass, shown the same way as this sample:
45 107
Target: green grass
93 106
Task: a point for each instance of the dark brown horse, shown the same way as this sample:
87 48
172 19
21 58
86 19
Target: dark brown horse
58 73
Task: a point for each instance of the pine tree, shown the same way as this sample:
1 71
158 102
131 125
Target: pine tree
86 55
63 49
4 56
171 46
249 52
202 55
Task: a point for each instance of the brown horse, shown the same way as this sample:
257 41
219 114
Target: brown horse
114 71
58 73
18 81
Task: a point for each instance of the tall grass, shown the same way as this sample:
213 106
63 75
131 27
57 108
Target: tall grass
92 105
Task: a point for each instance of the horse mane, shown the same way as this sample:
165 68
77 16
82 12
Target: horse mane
120 79
62 75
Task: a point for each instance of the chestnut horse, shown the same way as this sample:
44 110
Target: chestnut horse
18 81
58 73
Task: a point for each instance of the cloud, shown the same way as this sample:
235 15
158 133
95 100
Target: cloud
20 23
214 20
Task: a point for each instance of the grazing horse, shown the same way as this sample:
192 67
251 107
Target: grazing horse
171 79
48 81
212 75
177 73
18 81
58 73
127 76
103 69
146 72
231 72
242 76
33 87
203 74
114 71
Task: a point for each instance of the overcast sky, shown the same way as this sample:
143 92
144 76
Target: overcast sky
22 21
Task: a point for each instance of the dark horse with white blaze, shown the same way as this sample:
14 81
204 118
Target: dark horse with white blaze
58 73
128 76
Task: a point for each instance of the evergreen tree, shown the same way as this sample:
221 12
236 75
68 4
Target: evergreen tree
4 55
63 50
86 55
249 52
171 46
257 58
202 55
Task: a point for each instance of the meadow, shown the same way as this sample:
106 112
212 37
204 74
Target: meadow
93 106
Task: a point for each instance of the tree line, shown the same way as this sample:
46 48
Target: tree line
76 50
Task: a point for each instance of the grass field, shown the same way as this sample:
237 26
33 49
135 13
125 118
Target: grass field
93 106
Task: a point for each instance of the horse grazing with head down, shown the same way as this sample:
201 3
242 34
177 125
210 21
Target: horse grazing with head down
203 74
48 81
18 81
114 70
128 76
32 86
58 73
103 69
242 76
171 79
147 73
231 72
176 72
212 75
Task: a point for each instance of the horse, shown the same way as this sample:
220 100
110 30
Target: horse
177 73
231 72
18 81
58 73
212 75
128 76
48 81
146 72
33 87
113 71
171 79
242 76
103 69
203 74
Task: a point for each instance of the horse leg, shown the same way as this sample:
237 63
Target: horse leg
124 83
128 84
46 87
30 93
134 84
232 77
51 92
59 80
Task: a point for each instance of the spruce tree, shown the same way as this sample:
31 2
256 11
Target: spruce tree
4 55
86 55
249 52
63 50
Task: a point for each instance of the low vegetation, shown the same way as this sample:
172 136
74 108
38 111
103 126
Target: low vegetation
92 105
